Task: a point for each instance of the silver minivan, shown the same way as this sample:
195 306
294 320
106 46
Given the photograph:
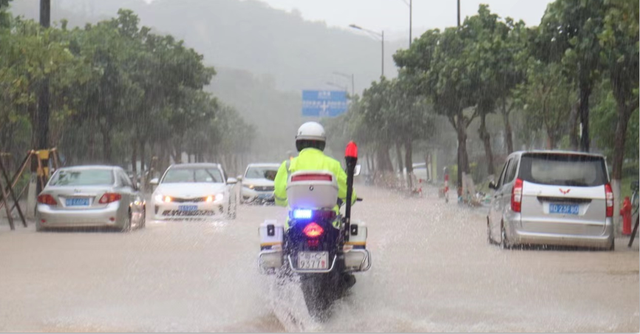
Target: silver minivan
552 198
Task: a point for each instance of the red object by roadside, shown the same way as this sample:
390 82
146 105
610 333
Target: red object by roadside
625 212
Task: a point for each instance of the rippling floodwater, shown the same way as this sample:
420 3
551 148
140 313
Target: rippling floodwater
432 271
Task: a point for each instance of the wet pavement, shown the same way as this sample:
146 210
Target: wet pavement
433 270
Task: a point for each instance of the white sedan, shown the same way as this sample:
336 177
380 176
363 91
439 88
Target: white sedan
197 190
257 183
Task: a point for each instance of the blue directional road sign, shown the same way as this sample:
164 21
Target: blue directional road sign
324 103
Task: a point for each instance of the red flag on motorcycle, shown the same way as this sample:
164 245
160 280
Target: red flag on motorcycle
351 151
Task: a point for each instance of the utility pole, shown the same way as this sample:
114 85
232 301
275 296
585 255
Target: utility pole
382 54
411 20
458 13
42 116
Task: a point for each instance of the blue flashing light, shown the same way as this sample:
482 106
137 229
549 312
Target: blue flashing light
302 214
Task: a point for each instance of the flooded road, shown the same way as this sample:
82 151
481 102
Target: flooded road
433 270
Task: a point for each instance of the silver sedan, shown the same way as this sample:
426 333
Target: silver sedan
90 196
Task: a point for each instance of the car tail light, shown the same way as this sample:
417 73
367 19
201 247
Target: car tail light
311 177
47 199
609 198
516 196
109 198
313 230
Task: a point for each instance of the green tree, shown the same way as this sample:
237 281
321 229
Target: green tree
546 100
618 42
569 34
439 63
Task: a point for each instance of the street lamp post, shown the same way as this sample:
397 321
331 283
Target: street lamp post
353 82
380 35
344 88
410 5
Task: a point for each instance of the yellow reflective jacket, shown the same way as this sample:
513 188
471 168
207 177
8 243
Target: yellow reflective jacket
310 159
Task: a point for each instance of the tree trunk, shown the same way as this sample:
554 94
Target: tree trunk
91 144
143 161
573 127
384 161
106 146
619 142
399 157
463 158
585 92
408 148
486 139
371 162
508 133
134 167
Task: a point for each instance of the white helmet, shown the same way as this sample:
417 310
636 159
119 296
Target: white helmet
311 132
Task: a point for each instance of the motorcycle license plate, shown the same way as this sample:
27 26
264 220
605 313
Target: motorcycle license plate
313 260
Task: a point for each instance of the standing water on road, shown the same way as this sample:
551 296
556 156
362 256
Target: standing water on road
433 271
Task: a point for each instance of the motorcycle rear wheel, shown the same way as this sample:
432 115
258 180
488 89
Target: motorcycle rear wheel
320 291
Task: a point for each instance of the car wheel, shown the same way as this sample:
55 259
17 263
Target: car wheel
504 242
143 222
231 211
489 239
612 247
127 224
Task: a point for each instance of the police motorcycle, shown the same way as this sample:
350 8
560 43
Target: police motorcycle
322 247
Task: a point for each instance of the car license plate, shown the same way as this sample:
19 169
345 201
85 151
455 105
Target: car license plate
77 202
265 196
565 209
313 260
187 207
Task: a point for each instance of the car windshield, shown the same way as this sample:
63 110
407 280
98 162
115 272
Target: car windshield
83 177
563 170
261 173
193 175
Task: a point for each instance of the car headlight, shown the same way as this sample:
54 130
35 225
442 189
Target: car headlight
161 198
250 186
214 198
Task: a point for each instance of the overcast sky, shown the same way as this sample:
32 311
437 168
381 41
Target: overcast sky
393 15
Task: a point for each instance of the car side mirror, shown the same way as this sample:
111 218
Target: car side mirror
232 180
154 181
493 186
239 177
357 170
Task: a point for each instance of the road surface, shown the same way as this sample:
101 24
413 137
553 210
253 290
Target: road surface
433 270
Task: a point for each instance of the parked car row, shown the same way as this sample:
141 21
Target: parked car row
105 196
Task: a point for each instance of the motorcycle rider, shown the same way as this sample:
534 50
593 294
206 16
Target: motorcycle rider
310 142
